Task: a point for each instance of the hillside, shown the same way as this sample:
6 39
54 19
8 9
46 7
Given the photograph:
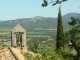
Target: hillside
38 22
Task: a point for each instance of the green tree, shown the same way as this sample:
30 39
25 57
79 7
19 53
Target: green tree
73 35
53 2
59 38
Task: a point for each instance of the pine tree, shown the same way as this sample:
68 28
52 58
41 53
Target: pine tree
59 38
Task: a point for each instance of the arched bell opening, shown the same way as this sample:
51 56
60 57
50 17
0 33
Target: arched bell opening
18 39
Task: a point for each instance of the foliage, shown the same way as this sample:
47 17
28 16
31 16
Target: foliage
51 54
59 31
46 3
35 44
73 35
67 54
28 56
48 54
2 45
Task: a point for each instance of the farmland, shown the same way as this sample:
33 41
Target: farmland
6 35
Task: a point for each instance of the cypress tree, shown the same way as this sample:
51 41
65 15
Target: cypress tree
59 38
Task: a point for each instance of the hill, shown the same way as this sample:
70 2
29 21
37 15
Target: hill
38 22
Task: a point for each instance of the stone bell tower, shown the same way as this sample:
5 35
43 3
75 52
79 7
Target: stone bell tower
21 40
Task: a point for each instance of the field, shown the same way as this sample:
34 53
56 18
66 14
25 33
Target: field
38 32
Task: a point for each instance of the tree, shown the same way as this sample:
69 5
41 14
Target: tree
46 3
59 38
73 35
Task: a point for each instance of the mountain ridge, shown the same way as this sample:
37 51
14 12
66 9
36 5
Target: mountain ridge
38 22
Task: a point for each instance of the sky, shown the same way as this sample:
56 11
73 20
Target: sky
15 9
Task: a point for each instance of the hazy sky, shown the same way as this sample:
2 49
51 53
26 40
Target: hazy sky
14 9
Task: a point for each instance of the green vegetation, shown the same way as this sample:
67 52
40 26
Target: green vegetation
51 54
2 45
59 39
53 2
73 35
